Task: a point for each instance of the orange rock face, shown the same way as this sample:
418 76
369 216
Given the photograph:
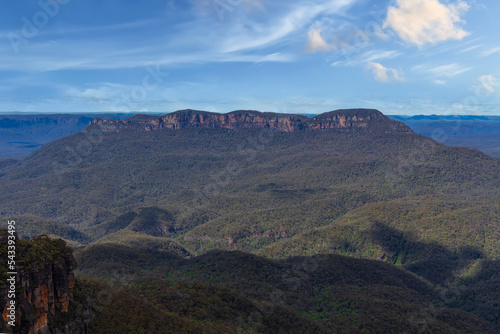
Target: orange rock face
343 120
42 292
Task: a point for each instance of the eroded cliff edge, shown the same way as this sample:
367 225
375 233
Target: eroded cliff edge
44 285
344 119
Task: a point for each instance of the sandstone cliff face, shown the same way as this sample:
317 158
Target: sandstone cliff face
43 290
342 120
47 291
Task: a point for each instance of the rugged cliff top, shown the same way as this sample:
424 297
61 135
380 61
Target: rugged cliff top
344 119
44 281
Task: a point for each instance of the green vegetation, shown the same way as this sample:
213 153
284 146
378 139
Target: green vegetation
250 294
449 223
162 204
40 251
205 178
34 226
147 242
320 294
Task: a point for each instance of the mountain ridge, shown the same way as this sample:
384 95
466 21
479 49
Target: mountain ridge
342 119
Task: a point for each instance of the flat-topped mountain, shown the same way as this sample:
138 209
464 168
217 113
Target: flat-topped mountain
116 166
345 119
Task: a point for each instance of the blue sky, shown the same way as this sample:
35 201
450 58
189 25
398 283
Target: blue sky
399 56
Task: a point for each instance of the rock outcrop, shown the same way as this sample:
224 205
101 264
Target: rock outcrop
343 120
44 284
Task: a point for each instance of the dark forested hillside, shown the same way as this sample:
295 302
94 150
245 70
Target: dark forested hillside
319 294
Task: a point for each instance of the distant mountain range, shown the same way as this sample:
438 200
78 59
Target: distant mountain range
247 201
480 132
21 134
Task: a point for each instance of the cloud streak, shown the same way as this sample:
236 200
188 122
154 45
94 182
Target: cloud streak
368 57
488 84
490 51
442 71
93 55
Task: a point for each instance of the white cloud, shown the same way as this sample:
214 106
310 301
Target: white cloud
426 21
316 42
440 82
384 74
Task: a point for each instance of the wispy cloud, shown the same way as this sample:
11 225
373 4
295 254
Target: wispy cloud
257 34
251 5
487 84
368 57
452 48
313 40
490 51
98 92
421 22
55 32
202 40
384 74
94 54
470 48
226 10
442 71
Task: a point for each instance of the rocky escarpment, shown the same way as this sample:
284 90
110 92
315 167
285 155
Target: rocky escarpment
44 284
345 120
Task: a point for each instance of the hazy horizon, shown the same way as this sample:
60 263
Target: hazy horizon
156 113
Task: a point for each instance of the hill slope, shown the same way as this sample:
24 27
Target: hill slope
349 181
201 173
336 294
